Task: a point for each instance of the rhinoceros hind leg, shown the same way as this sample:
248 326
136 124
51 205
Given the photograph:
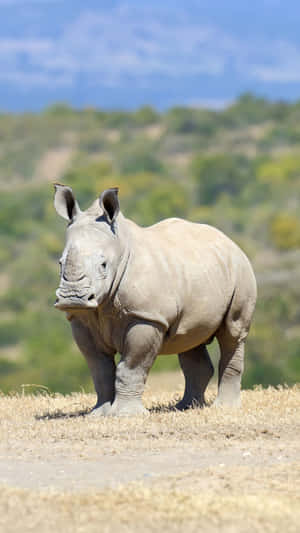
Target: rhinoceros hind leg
198 370
231 367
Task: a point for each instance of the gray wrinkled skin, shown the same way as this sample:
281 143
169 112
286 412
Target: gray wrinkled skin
169 288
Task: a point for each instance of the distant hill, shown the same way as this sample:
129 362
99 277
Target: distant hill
238 169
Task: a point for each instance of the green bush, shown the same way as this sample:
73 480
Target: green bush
285 231
138 159
184 120
220 174
145 116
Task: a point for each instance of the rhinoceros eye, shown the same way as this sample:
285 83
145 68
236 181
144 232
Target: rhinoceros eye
104 264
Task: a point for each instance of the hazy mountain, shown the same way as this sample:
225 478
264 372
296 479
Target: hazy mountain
120 53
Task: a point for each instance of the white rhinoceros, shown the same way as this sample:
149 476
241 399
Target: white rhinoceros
168 288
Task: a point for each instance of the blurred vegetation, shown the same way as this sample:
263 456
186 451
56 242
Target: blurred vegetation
237 169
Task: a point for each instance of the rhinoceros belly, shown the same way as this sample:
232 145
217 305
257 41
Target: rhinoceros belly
194 328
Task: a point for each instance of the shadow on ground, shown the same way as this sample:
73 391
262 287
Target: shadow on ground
155 409
54 415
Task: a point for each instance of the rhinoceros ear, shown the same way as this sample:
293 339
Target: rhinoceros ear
109 202
64 202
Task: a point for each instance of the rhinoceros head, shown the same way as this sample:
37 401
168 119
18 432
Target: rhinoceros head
93 250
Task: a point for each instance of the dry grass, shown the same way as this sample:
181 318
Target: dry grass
209 470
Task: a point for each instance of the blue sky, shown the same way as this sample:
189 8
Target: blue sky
130 53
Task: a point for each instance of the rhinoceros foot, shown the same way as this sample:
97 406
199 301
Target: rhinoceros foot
229 394
128 408
183 405
102 410
229 401
131 408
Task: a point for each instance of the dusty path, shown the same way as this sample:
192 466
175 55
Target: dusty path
214 470
112 471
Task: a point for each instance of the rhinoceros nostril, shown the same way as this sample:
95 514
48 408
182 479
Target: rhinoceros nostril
91 297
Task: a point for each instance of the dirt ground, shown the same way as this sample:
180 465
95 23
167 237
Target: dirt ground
206 470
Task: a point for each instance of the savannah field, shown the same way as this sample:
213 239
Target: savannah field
206 470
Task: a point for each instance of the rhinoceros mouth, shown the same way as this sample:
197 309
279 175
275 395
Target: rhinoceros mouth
75 301
65 304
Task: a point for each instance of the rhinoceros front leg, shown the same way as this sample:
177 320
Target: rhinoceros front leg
142 344
231 366
198 370
102 367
